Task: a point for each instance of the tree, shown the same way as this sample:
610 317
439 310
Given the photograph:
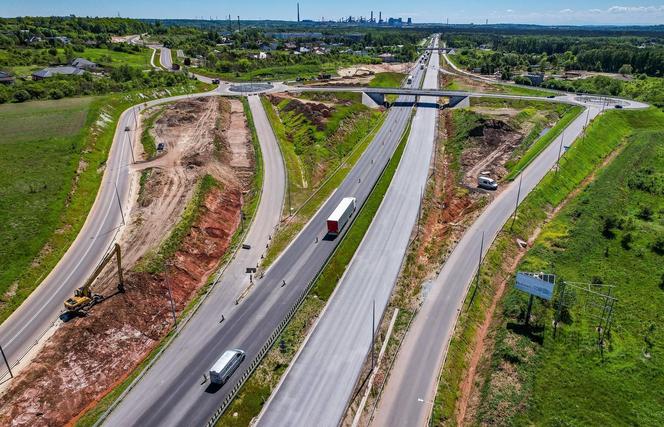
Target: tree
626 69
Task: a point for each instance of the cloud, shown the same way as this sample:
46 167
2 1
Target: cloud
635 9
567 11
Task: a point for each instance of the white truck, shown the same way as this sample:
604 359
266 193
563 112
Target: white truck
409 80
341 215
224 367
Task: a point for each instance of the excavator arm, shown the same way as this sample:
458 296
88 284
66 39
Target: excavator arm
84 297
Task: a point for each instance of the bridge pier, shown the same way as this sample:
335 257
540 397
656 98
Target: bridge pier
373 100
459 102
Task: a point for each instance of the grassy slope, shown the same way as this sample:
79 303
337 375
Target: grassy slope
566 381
27 269
387 80
257 389
40 148
603 136
361 136
100 56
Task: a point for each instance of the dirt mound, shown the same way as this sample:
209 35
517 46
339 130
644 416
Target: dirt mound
316 113
86 357
489 147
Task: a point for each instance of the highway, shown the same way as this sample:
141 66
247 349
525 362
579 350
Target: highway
413 380
338 345
172 393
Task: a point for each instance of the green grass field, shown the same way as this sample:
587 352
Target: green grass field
53 159
113 58
604 135
387 80
39 153
566 381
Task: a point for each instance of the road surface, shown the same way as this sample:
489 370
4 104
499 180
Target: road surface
172 392
41 310
412 384
165 58
320 381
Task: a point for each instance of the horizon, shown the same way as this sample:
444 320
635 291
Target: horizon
502 12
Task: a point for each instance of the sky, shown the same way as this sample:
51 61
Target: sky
560 12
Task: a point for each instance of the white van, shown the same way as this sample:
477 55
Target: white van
223 368
487 183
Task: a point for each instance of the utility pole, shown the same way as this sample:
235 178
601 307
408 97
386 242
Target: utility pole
11 375
117 194
479 267
518 195
560 150
170 296
373 337
289 201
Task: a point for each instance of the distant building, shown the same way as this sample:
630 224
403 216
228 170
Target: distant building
66 70
387 57
536 79
6 78
83 64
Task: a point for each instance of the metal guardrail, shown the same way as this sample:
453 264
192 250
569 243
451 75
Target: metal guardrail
282 325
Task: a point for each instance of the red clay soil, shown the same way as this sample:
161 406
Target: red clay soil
88 355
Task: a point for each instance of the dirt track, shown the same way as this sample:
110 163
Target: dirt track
87 356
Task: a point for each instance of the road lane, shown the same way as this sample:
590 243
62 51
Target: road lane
413 379
320 381
171 393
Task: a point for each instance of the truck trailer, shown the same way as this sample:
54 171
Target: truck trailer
341 215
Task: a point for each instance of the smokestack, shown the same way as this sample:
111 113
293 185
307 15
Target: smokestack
238 22
298 12
371 20
380 17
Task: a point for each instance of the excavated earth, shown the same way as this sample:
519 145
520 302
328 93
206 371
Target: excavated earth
87 356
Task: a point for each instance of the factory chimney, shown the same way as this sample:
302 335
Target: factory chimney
371 20
380 17
298 12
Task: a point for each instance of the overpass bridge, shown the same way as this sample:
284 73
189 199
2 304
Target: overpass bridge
375 96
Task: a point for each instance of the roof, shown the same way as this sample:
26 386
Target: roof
51 71
4 75
223 360
341 209
82 63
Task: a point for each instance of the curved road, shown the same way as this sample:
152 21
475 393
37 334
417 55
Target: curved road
41 310
172 392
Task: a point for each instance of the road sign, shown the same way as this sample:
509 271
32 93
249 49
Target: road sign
539 285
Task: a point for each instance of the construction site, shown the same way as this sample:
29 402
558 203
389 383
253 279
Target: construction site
186 208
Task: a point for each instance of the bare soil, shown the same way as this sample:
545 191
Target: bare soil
87 356
317 113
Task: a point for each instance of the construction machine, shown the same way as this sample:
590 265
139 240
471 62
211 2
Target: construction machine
84 298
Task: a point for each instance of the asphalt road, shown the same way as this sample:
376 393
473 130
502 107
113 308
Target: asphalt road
408 396
173 393
165 58
320 381
41 310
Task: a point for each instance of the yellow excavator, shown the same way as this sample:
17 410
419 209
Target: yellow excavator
84 298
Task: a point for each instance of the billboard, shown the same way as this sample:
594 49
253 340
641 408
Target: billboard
540 285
